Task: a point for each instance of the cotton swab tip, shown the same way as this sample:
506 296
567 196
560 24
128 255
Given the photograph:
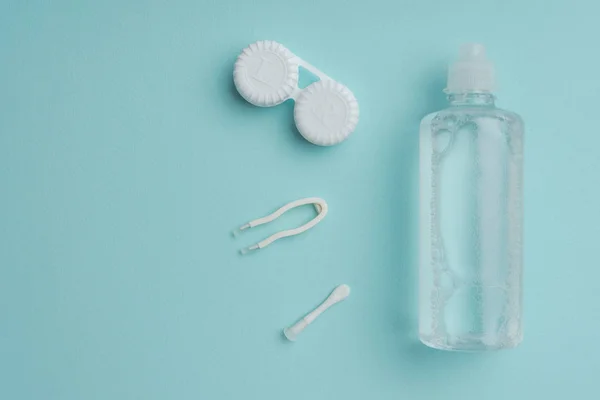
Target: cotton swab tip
340 293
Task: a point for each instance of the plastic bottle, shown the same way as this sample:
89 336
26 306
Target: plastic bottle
471 162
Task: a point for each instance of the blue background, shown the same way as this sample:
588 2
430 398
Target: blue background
126 158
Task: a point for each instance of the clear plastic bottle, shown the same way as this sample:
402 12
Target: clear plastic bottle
471 162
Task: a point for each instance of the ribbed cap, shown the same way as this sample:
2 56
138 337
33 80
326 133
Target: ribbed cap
472 72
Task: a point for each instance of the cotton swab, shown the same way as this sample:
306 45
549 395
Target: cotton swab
338 294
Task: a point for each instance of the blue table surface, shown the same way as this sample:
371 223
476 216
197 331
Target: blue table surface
127 157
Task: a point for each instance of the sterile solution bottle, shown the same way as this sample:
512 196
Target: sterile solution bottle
471 213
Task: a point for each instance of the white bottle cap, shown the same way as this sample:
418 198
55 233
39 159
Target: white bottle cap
472 72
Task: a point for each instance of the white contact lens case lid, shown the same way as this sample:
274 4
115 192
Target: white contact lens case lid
266 74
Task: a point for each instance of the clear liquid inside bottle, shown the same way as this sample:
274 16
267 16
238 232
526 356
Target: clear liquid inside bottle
471 226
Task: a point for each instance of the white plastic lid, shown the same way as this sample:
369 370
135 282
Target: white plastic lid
472 72
266 73
326 113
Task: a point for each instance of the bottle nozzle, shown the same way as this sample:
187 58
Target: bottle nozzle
472 51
